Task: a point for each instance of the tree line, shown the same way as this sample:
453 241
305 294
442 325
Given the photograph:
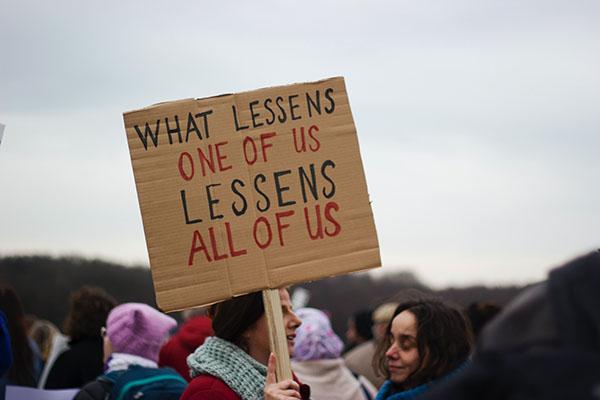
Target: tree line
44 284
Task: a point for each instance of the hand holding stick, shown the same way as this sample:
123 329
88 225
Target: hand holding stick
285 390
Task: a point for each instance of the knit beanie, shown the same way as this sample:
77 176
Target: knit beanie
138 329
315 339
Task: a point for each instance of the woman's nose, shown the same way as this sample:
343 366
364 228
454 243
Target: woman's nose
296 322
392 351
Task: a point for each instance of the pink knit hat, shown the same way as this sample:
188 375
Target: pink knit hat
138 329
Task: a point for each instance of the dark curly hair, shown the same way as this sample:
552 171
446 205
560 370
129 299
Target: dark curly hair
88 311
444 341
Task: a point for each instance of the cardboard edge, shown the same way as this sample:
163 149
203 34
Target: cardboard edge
156 105
374 266
172 102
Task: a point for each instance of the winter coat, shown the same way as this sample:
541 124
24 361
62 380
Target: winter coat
331 380
207 387
222 370
75 367
191 335
389 391
5 353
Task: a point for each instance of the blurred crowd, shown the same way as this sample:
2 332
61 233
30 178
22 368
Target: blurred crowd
545 344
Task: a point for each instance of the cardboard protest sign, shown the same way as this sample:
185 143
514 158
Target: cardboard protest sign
248 191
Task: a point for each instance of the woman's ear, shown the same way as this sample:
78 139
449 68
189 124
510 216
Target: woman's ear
107 349
246 337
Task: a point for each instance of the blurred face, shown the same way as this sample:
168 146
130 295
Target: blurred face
402 355
258 334
351 333
379 329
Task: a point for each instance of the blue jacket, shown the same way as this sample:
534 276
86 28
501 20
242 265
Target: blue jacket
386 391
5 353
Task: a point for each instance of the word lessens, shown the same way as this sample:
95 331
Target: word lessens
312 186
281 109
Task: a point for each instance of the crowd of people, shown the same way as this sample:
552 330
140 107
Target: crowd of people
544 345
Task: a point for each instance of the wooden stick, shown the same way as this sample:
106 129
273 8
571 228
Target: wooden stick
277 336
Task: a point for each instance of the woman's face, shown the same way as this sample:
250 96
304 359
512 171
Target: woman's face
352 336
258 334
403 355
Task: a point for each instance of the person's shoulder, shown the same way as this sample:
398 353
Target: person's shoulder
77 349
208 382
208 387
95 390
76 354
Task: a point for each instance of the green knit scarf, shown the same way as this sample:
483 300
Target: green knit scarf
224 360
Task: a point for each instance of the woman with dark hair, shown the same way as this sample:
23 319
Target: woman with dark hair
360 329
237 363
82 362
426 341
26 363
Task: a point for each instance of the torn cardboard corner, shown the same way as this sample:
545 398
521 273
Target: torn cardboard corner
248 191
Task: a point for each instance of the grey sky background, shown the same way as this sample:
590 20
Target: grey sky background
478 121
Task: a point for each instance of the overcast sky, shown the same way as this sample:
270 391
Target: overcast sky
479 121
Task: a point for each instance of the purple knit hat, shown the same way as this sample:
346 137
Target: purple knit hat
315 340
138 329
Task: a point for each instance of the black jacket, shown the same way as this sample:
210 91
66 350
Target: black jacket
80 364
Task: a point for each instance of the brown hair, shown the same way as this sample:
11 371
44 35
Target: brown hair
88 311
22 372
231 318
444 341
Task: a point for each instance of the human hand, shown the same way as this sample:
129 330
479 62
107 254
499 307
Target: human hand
284 390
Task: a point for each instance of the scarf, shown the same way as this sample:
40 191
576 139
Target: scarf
122 361
384 392
224 360
414 393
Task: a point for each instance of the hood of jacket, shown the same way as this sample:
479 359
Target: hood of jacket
194 332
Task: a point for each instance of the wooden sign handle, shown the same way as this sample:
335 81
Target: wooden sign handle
277 336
